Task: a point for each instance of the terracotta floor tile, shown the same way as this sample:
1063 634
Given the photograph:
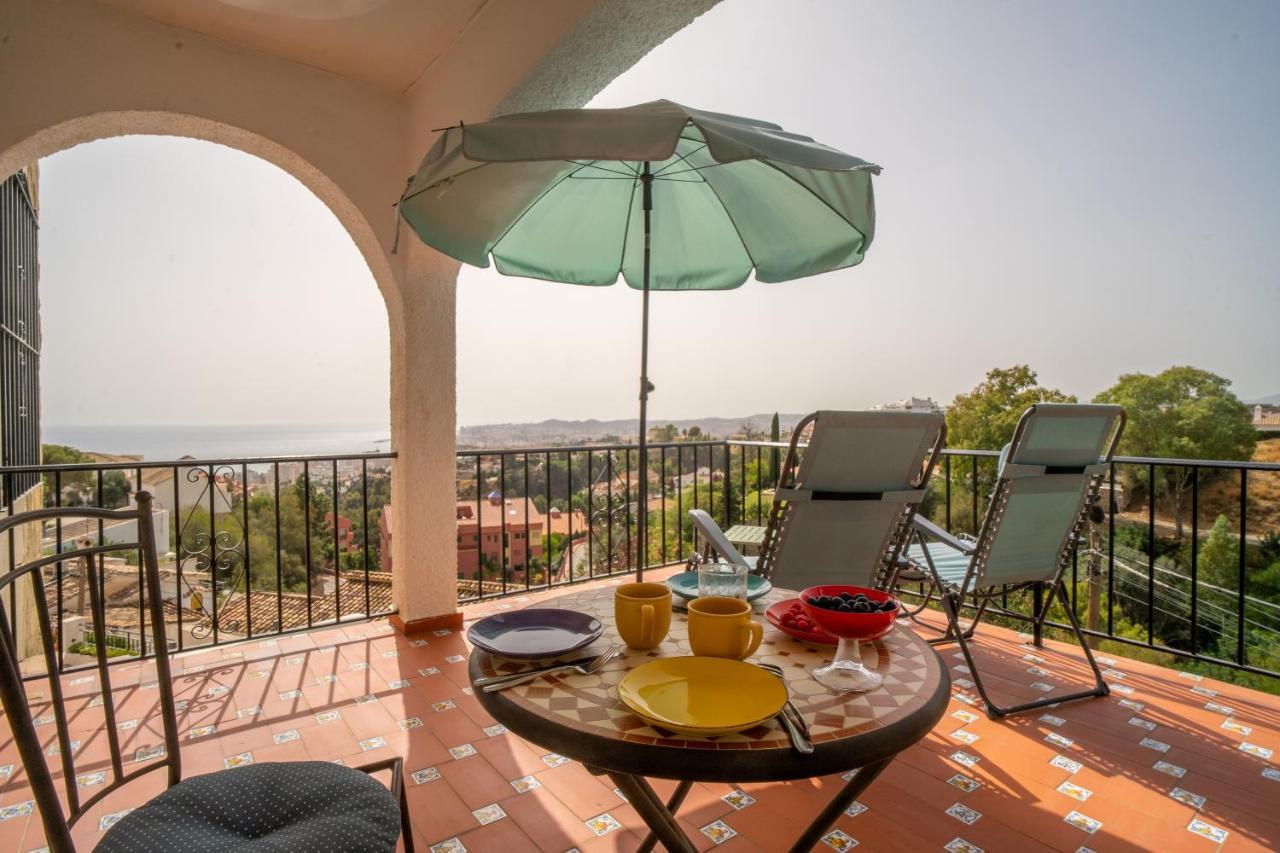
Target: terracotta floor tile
547 821
768 828
618 841
501 836
453 727
510 756
579 790
905 809
438 812
475 781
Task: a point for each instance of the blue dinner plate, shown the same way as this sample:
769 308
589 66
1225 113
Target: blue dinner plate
539 632
685 585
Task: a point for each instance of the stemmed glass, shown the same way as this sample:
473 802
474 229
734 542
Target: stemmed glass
846 672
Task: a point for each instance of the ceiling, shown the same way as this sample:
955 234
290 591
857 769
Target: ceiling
388 43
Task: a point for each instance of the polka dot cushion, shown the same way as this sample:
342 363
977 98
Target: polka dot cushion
310 806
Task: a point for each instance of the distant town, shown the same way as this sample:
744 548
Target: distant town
555 433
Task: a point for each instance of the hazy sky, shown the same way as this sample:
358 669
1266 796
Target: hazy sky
1090 188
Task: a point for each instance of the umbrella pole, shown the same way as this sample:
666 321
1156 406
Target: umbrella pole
642 535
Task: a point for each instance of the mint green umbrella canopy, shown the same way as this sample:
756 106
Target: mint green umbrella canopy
670 197
559 195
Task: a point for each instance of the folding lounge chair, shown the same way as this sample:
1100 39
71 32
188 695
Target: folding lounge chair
843 508
1048 480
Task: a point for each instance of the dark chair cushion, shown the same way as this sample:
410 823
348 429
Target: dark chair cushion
314 806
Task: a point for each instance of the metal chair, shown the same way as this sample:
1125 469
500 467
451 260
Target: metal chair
295 805
843 509
1048 481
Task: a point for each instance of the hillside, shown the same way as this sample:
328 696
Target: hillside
565 432
1221 496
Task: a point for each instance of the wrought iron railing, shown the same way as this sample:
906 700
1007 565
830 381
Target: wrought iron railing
1185 562
570 514
250 548
1143 579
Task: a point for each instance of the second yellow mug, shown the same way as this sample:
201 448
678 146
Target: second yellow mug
722 627
642 612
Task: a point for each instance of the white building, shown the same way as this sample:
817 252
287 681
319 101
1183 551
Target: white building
911 404
76 532
192 488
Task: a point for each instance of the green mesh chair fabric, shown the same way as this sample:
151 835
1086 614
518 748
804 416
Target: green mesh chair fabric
843 510
846 511
949 563
1045 478
288 807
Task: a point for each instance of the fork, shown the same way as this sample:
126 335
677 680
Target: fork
793 722
502 682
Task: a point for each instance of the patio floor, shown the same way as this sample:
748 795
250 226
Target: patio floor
1138 762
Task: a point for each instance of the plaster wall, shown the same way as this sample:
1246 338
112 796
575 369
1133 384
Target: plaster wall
73 71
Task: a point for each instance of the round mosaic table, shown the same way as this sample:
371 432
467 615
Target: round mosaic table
581 717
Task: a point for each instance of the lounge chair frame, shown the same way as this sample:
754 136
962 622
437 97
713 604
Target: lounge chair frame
970 592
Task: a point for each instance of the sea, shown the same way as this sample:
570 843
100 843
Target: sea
163 442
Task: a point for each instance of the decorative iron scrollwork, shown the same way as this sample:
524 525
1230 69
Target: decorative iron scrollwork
220 552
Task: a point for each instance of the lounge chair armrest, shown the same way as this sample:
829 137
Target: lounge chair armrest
933 531
711 533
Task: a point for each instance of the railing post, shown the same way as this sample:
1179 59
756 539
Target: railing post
1195 558
1242 581
1151 552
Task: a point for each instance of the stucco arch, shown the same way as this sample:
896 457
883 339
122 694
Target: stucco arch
107 125
417 287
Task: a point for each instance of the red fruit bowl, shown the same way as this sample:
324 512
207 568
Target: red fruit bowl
851 626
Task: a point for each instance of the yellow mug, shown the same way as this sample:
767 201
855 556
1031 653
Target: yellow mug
642 612
722 627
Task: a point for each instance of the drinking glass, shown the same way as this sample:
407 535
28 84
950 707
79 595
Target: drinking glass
723 579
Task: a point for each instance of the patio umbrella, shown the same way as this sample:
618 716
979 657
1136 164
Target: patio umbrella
671 197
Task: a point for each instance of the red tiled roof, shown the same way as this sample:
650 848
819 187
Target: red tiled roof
293 605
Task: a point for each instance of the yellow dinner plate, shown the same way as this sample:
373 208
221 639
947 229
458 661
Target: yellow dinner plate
702 696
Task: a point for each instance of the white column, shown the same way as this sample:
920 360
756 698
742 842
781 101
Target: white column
423 431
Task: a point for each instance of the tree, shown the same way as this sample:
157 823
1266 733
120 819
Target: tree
1219 558
985 418
663 434
1181 413
80 488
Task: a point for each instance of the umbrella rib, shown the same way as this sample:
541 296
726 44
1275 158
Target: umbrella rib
631 199
592 165
700 168
728 215
826 203
523 213
409 195
679 160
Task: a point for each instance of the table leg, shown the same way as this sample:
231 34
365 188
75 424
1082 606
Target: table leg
677 799
828 816
651 809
